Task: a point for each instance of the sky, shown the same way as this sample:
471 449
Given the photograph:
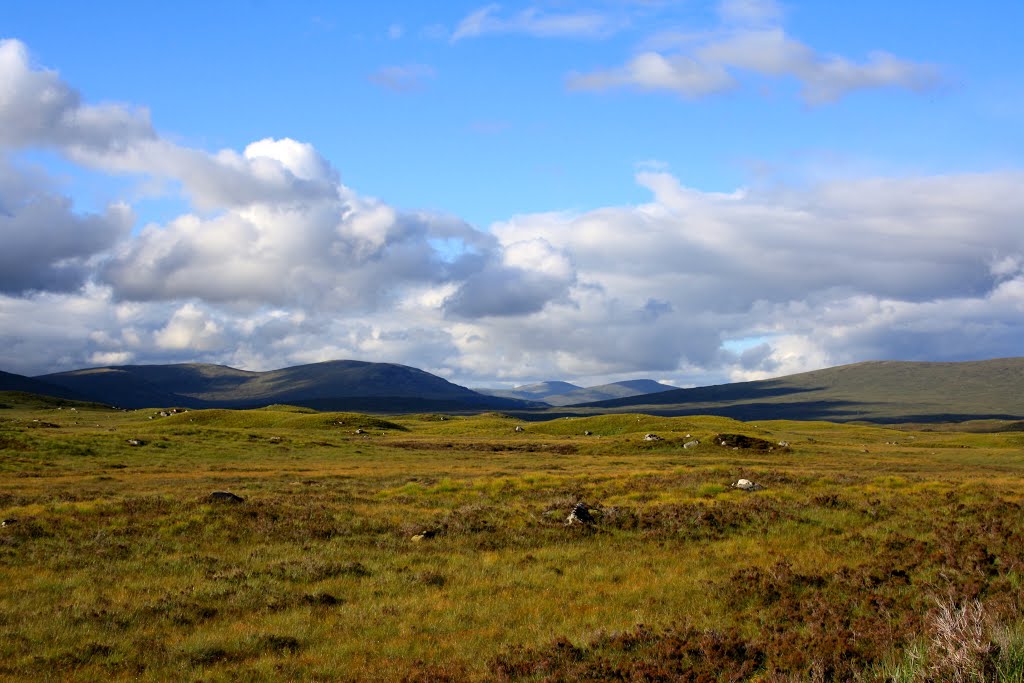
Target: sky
694 191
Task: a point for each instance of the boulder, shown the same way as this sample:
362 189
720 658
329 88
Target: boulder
580 515
691 444
746 485
225 497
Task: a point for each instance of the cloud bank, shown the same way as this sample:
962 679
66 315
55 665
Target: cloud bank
276 262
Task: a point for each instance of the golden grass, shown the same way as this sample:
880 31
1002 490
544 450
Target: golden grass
118 567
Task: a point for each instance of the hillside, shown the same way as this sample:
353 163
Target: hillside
12 382
332 385
876 391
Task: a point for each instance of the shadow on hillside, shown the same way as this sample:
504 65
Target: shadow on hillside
742 391
829 411
950 417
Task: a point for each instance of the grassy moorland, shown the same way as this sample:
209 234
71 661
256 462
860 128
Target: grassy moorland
430 549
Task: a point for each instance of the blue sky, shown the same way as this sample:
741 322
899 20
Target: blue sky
494 179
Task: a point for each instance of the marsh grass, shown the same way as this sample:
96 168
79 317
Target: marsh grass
117 565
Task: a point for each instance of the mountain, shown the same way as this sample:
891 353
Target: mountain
332 385
12 382
605 392
557 393
876 391
534 392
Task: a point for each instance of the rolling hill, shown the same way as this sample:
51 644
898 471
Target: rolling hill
332 385
875 391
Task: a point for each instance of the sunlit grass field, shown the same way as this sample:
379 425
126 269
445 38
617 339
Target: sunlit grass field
435 548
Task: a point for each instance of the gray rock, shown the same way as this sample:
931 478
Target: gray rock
746 485
691 444
225 497
580 515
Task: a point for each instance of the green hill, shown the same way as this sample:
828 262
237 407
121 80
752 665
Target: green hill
332 385
876 391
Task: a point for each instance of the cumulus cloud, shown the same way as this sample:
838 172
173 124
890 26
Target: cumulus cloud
534 22
277 262
530 274
38 109
751 42
46 244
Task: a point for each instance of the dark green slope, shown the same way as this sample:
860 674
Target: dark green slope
877 391
332 385
12 382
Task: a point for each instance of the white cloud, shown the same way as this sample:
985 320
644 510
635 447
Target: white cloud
189 329
750 44
653 71
534 22
278 263
38 109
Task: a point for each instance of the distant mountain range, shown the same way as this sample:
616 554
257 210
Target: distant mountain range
333 385
877 391
874 391
566 394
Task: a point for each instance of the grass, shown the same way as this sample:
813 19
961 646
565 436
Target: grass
119 567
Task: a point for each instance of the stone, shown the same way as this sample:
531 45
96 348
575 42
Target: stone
580 515
225 497
746 485
691 444
519 428
136 442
